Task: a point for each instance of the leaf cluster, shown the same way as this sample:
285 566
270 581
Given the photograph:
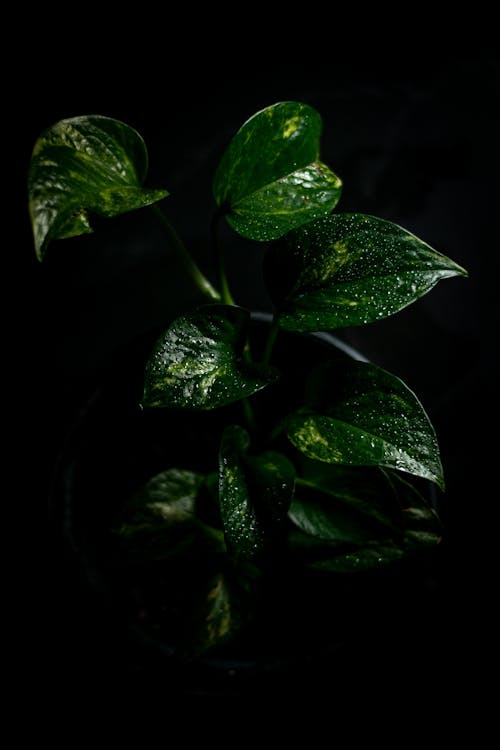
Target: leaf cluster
327 484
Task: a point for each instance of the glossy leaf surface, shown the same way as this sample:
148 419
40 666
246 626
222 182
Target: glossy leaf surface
254 493
349 269
361 415
198 362
83 166
271 179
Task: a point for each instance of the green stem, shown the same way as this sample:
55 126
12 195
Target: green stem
218 258
191 267
249 415
271 338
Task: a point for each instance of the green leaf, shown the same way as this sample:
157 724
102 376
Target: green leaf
375 555
271 478
270 179
215 618
243 532
349 269
254 494
344 504
420 523
314 514
82 166
159 520
198 362
361 415
356 519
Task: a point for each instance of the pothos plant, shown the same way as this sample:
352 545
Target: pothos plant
333 484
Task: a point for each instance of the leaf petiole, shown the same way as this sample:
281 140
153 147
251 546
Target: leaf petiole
271 338
218 258
191 267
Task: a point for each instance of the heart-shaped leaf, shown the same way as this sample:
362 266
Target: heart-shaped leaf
349 269
254 494
159 521
198 362
82 166
362 415
270 179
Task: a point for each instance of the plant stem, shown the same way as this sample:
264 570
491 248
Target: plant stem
191 267
218 258
271 338
249 415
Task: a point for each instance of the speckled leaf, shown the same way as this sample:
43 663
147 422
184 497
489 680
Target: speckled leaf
362 415
349 269
83 166
216 617
159 520
198 362
254 494
270 179
243 531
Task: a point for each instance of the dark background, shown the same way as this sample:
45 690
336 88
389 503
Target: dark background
415 143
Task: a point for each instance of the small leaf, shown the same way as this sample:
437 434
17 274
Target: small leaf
198 362
363 416
270 179
254 494
349 269
82 166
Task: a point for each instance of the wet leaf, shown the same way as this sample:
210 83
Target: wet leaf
361 415
254 494
270 179
349 269
83 166
198 362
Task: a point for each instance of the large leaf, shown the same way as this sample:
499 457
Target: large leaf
82 166
198 362
349 269
254 494
270 179
362 415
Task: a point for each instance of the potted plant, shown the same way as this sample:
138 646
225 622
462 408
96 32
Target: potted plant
242 484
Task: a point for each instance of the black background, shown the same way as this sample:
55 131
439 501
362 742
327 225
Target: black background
415 142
